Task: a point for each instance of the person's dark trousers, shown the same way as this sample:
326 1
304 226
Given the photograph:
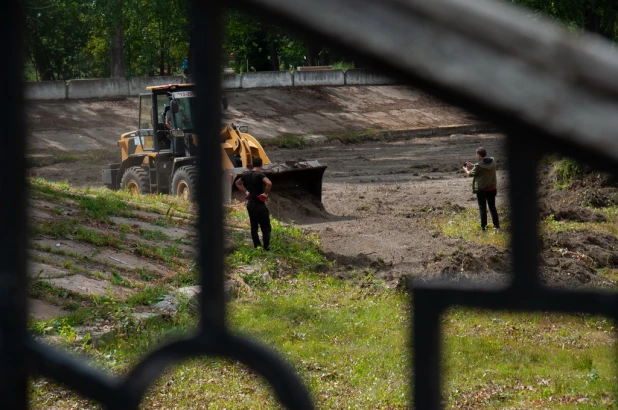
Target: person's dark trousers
486 198
259 216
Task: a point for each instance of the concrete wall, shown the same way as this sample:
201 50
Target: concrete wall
138 85
46 90
231 81
267 79
362 76
319 77
120 87
98 88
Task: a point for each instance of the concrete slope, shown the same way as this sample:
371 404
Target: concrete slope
274 112
85 125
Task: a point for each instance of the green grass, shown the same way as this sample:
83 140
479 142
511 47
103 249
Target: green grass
165 253
291 248
71 229
348 340
535 360
153 235
348 343
148 295
465 224
101 203
549 224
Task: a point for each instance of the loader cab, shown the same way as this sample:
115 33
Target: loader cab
165 119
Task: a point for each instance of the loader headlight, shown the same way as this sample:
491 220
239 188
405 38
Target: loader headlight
244 129
177 133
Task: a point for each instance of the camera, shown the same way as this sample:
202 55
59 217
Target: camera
465 164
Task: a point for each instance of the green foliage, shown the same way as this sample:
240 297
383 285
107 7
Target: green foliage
251 45
596 16
568 170
119 280
343 65
148 296
153 235
67 39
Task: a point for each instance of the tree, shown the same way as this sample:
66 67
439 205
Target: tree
56 33
596 16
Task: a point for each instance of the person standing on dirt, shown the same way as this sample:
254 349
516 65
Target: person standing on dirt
185 68
484 186
256 187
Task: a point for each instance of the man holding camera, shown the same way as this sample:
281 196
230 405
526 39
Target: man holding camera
256 187
484 186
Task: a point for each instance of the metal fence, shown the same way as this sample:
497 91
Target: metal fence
549 90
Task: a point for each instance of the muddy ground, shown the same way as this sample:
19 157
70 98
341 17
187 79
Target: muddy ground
376 197
379 198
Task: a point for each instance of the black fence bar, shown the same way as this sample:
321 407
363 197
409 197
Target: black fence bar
13 207
71 371
426 351
442 296
206 37
522 162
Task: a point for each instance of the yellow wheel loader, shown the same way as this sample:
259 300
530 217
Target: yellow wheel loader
161 156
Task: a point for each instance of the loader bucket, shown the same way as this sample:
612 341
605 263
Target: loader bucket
301 177
295 179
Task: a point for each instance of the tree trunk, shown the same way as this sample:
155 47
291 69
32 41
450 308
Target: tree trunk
117 53
610 16
311 52
274 58
592 17
41 62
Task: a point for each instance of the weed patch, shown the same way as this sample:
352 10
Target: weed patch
286 141
465 225
148 296
568 170
355 137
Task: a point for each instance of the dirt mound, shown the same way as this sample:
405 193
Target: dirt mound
596 250
578 215
568 259
487 264
587 189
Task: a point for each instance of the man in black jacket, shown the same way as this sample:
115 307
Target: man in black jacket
256 187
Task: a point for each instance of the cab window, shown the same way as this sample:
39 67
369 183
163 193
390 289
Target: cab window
145 104
162 102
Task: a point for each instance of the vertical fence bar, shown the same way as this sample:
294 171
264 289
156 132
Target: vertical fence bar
206 38
523 159
13 286
426 351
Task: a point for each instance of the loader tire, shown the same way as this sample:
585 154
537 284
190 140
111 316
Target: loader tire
136 181
184 183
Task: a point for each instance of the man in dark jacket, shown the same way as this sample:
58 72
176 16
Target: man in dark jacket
256 187
484 186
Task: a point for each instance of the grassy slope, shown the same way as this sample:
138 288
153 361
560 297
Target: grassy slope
347 339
